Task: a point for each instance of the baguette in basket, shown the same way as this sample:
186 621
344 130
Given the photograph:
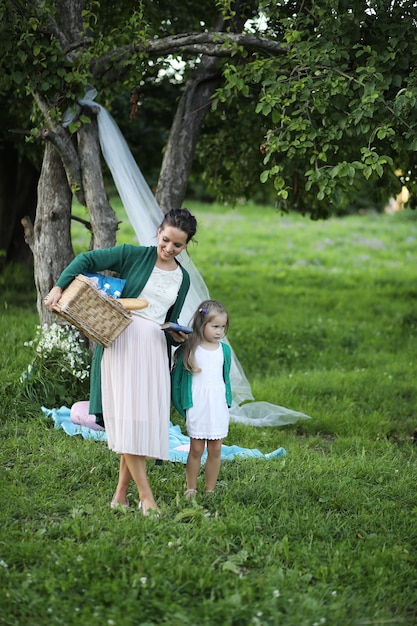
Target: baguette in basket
133 304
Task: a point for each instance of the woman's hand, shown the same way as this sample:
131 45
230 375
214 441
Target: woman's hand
178 337
53 297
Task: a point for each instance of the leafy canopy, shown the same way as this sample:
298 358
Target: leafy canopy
331 108
340 105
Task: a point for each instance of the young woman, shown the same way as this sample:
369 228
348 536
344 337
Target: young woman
130 380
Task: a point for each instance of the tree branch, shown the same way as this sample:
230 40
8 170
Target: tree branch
62 142
28 231
69 13
70 161
85 223
214 44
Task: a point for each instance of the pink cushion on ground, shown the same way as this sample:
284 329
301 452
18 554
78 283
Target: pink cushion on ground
79 415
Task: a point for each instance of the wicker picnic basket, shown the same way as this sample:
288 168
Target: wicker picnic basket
99 316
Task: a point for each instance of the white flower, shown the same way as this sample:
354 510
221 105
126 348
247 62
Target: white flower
63 341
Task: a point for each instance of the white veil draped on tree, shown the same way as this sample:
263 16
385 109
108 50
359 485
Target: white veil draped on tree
145 216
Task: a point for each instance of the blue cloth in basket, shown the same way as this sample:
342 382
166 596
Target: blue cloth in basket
108 284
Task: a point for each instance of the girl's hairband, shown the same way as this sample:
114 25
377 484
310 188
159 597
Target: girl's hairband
202 310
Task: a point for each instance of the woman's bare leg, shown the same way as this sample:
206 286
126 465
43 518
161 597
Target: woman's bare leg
137 467
120 495
214 447
194 462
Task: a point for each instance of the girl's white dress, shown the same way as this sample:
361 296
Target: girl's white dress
136 378
208 418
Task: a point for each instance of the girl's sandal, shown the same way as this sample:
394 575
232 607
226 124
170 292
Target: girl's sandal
190 493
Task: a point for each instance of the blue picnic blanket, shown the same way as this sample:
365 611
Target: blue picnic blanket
179 444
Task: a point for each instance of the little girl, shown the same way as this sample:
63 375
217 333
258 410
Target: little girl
201 391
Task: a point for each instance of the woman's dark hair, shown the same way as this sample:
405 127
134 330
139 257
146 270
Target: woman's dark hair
181 219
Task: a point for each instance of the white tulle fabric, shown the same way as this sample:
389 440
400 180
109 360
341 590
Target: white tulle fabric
145 215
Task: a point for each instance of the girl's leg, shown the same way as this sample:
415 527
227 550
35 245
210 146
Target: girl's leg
120 495
137 467
214 447
194 462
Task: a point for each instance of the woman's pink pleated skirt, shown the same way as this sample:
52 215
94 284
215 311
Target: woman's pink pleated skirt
136 391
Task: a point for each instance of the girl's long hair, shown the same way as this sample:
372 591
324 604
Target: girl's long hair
203 315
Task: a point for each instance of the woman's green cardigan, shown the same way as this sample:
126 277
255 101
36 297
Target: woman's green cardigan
135 265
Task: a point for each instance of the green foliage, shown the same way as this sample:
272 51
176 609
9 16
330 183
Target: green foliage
229 163
42 59
323 321
327 116
339 102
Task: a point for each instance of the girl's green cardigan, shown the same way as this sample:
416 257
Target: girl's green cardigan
135 265
181 381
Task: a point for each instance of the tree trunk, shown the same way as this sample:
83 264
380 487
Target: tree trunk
103 218
185 133
50 238
51 244
190 114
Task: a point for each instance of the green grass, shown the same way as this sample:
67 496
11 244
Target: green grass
323 320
